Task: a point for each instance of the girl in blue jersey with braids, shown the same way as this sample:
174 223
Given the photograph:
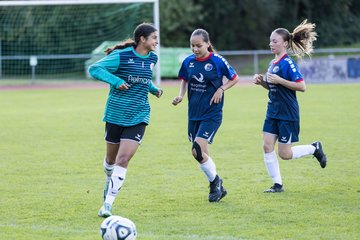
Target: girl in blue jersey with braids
128 69
282 81
202 77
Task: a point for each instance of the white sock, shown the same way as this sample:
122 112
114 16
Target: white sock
302 150
272 165
209 169
116 182
108 170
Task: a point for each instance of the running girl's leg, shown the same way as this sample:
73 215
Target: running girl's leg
271 162
127 149
109 162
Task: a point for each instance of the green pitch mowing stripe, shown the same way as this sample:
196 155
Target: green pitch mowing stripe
51 176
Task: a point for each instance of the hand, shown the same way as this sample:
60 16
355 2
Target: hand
258 78
159 93
177 100
273 78
124 86
217 96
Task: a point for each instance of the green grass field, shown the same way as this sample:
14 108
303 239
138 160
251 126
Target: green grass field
51 177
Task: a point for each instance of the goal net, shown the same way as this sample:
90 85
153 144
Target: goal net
58 41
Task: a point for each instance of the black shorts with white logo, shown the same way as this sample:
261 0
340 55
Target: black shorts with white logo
115 133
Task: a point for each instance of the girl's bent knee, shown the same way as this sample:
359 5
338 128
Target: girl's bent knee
285 156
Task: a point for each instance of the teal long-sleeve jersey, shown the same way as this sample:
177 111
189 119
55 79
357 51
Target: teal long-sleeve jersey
126 107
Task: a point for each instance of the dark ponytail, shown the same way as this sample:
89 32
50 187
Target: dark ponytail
124 44
142 30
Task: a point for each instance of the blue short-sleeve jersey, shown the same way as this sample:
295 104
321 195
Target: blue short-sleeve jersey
283 104
204 76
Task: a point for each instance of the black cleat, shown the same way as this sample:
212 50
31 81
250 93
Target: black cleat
217 191
275 188
319 154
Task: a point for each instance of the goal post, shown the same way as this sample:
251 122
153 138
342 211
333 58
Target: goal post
20 18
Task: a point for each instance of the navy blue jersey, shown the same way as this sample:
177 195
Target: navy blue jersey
283 104
204 76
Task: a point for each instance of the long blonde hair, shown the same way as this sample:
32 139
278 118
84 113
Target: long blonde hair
301 39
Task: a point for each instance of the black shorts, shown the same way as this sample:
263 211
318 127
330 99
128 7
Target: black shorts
115 133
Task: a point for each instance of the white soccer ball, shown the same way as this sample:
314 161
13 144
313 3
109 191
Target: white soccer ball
117 228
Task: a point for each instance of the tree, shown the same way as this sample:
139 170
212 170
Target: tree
247 24
177 21
240 24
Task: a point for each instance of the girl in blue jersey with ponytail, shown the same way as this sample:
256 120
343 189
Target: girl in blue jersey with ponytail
201 76
128 69
282 81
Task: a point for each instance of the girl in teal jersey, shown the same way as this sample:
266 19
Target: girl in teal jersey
282 80
128 69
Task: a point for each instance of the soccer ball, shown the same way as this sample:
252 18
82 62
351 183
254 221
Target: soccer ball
117 228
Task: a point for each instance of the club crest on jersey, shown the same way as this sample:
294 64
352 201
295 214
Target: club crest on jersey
275 69
208 67
199 79
152 66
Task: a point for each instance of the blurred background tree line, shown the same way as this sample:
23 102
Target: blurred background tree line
247 24
232 24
